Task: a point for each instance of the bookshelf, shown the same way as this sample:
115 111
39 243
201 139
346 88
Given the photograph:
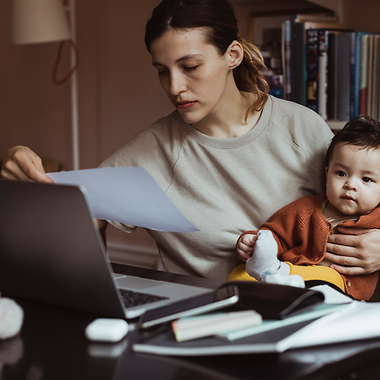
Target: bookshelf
352 17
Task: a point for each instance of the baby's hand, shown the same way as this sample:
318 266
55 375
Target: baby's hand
245 245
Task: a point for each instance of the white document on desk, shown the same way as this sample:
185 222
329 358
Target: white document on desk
358 320
332 296
127 195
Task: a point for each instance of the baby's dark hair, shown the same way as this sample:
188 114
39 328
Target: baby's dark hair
363 132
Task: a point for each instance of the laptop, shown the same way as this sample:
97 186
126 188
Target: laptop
50 251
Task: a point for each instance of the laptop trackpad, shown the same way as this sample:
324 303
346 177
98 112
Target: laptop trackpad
159 287
137 283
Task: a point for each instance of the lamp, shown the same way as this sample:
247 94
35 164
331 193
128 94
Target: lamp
37 21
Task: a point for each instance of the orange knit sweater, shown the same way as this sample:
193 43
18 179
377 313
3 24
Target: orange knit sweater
301 232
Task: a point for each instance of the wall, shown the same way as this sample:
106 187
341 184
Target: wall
33 111
118 90
362 16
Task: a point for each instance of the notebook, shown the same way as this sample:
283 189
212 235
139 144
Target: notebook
50 251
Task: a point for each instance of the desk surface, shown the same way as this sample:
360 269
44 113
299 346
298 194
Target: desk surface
52 345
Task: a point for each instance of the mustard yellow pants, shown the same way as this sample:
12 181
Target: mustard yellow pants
307 272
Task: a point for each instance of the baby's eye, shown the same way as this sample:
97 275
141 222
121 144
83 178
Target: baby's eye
340 173
367 180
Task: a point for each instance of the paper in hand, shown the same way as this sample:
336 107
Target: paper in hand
128 195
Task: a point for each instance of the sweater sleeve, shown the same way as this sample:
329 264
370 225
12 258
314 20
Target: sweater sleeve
300 232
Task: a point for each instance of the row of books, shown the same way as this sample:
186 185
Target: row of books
332 70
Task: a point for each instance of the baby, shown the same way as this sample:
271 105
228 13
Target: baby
297 234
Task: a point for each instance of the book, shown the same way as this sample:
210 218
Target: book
312 40
275 301
292 60
276 87
286 59
331 76
189 328
359 72
163 343
300 73
363 88
353 78
370 53
343 75
374 79
271 324
317 70
376 108
322 81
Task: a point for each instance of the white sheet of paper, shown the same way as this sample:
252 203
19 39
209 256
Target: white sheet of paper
359 320
332 295
128 195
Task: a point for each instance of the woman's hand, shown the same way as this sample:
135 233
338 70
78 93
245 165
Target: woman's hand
21 163
354 251
245 245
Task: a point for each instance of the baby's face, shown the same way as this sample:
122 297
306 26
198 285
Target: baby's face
353 179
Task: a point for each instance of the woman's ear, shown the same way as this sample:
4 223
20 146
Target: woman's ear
235 54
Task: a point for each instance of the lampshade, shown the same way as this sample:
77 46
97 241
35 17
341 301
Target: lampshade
36 21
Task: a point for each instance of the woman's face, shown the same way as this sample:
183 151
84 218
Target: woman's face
196 77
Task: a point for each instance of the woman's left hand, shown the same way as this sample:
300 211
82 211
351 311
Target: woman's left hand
354 251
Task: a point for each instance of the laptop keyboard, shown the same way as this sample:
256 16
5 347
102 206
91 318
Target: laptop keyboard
133 298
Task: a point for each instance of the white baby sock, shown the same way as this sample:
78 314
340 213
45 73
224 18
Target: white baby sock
264 261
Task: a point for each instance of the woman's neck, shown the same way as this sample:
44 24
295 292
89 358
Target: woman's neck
230 118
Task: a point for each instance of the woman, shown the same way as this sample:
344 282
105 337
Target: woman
230 155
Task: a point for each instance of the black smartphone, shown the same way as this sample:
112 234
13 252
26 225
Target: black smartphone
217 299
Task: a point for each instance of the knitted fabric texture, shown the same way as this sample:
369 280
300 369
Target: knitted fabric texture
301 232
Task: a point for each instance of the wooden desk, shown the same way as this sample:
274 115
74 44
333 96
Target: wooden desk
52 345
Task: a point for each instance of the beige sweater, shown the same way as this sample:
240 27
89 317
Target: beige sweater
226 186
